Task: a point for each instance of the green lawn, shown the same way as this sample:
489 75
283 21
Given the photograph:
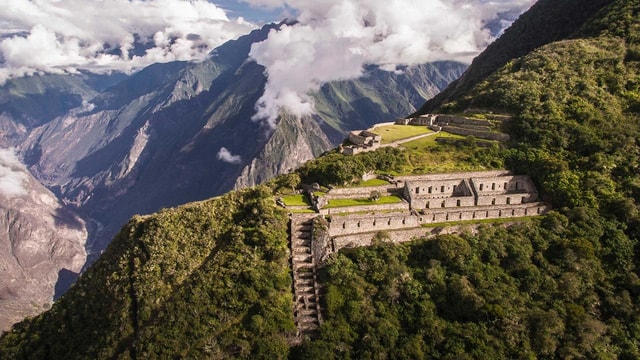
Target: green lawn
372 182
391 133
362 202
430 141
296 200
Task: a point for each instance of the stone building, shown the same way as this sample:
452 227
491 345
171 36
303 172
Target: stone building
362 141
438 194
474 191
504 190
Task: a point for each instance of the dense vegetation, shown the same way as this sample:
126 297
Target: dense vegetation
564 287
548 289
210 279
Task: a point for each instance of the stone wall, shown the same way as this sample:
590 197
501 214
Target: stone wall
401 206
452 119
364 192
509 184
454 175
437 189
450 202
430 216
352 224
487 135
462 142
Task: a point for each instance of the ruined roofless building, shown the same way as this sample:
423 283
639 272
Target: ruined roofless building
365 138
362 141
463 192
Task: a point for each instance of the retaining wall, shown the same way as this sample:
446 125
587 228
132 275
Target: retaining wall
452 119
402 206
363 192
344 225
454 175
488 135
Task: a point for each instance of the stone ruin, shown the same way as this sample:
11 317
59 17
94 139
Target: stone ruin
428 199
362 141
460 125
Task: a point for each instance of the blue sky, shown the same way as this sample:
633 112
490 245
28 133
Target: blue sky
255 14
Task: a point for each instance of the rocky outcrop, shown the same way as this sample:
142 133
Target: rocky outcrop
41 244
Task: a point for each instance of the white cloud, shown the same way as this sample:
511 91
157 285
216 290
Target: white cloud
225 155
334 39
67 35
12 174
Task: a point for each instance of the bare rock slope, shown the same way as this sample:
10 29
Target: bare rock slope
41 243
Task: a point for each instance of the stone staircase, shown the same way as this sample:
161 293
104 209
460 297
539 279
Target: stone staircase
306 292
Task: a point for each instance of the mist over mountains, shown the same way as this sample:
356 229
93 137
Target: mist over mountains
114 145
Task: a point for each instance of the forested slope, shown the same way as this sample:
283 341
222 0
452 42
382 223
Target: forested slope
209 279
566 286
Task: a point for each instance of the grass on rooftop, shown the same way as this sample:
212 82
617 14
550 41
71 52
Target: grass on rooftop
362 202
391 133
372 182
296 200
430 141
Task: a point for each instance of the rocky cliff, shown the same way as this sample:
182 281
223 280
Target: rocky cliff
41 243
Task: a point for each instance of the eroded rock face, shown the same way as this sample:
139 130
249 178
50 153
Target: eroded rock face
41 243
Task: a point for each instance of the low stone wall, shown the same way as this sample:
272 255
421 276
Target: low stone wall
506 199
482 212
454 175
366 239
401 206
401 236
363 192
448 202
344 225
452 141
357 223
487 135
452 119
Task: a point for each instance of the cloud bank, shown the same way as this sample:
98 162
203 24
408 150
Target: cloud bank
12 174
226 156
334 39
58 36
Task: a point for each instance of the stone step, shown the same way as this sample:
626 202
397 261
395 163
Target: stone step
303 265
305 313
306 320
302 250
303 258
301 244
305 275
302 286
305 289
311 300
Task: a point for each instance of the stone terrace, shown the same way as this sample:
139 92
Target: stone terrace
428 199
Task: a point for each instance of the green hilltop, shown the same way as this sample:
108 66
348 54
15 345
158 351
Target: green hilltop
212 279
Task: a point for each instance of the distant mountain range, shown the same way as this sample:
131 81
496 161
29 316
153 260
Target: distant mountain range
111 146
